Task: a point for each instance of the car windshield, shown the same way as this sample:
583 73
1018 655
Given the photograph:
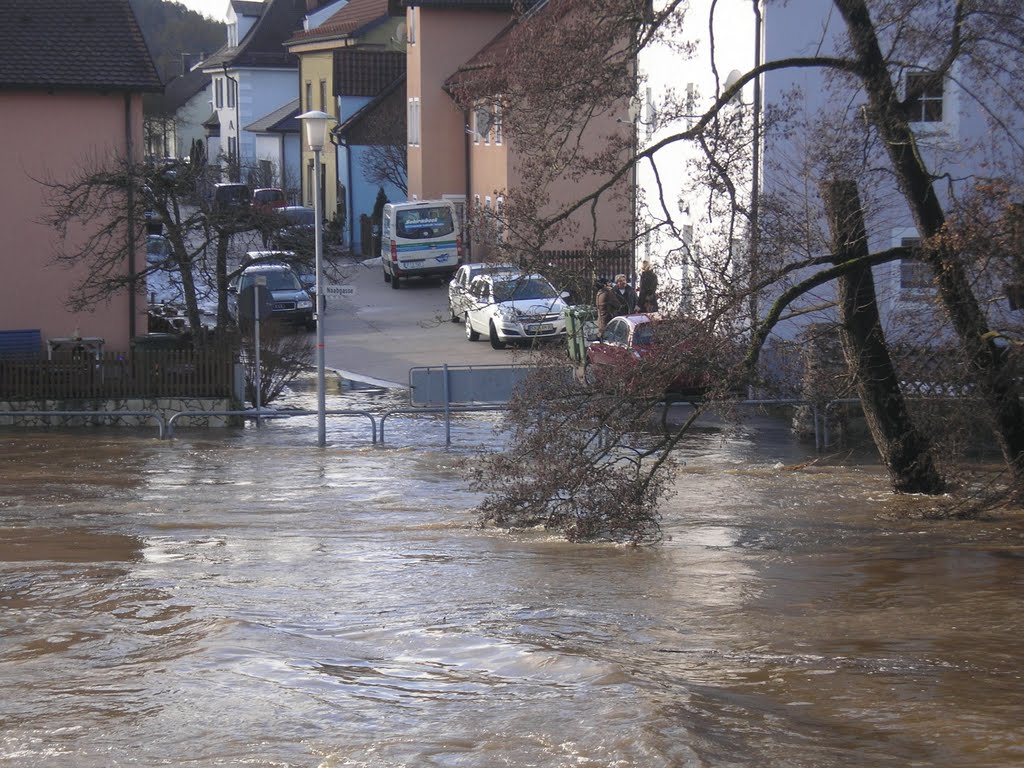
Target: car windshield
523 289
268 195
301 216
277 280
421 223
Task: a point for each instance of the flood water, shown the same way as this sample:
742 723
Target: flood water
241 597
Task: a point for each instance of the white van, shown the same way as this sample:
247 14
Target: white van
420 239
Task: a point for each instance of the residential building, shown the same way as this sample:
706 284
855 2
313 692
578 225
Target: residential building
72 77
253 76
458 148
346 59
278 139
174 118
791 114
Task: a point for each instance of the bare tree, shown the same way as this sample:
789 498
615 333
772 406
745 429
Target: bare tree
571 65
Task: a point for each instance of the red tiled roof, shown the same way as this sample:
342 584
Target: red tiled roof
356 17
74 45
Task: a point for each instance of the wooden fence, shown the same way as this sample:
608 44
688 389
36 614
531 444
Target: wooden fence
142 374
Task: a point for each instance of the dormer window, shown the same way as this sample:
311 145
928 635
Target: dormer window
924 97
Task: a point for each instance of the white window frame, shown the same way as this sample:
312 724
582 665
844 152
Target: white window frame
414 121
921 105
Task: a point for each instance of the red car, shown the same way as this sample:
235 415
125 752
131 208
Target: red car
268 199
640 353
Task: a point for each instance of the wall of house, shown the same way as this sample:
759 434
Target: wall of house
67 130
188 125
314 67
364 195
444 40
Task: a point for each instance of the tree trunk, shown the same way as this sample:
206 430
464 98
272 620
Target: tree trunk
1000 392
904 450
221 271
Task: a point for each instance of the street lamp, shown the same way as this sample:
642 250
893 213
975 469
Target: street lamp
314 125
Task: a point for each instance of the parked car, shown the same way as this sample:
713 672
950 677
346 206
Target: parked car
295 230
231 197
291 303
158 248
458 288
632 346
268 199
512 307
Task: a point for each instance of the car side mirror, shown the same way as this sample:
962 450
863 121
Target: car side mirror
564 295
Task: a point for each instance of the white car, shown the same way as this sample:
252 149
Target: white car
458 289
510 307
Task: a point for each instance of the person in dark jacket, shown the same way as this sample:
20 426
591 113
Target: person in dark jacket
647 301
622 298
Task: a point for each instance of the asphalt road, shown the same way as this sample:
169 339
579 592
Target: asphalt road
378 334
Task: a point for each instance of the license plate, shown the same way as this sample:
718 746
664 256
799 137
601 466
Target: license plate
412 262
542 328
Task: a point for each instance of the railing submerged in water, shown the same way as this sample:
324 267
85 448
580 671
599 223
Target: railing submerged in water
142 374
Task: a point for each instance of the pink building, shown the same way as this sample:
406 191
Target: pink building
464 155
72 75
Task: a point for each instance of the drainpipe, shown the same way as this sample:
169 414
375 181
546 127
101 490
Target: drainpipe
350 198
755 176
129 148
468 244
238 126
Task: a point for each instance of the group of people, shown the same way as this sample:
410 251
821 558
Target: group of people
614 300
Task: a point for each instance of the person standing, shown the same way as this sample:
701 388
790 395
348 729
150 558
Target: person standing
603 300
647 301
623 297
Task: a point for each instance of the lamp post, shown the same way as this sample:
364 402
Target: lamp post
314 124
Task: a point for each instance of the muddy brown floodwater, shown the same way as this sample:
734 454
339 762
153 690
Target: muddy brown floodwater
241 597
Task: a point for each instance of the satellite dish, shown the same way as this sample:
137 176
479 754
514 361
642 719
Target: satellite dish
400 34
731 80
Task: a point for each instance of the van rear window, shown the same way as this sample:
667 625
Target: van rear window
421 223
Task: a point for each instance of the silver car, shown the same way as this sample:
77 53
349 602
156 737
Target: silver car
512 307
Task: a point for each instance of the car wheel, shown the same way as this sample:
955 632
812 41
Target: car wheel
496 343
471 335
394 282
387 277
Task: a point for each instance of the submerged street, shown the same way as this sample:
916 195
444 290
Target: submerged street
240 597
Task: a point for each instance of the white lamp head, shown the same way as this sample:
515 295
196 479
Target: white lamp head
314 124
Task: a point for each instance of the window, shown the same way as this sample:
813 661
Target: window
232 148
924 97
218 90
412 26
498 133
414 121
482 124
232 92
915 276
309 96
323 95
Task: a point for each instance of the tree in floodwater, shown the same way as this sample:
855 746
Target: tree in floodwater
571 64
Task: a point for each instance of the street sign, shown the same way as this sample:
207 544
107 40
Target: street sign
339 290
